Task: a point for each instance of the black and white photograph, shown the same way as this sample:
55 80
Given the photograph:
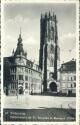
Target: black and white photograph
39 62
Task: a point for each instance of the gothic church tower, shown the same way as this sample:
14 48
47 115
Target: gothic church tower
49 49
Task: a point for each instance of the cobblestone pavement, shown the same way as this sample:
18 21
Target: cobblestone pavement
38 102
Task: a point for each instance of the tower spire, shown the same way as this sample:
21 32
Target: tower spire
20 32
46 15
20 39
49 14
41 15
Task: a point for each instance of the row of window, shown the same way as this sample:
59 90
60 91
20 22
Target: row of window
28 70
21 69
13 86
32 79
70 85
70 78
21 77
33 86
36 80
14 77
32 72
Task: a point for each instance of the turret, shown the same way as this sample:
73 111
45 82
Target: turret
19 49
45 15
49 14
20 39
13 52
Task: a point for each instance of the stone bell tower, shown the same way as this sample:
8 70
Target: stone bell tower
49 49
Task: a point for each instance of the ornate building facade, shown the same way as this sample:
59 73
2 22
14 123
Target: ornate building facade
21 76
49 58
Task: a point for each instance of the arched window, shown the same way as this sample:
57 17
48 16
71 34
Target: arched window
26 85
71 85
51 49
51 62
74 84
52 32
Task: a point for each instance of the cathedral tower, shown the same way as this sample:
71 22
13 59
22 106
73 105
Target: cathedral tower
49 49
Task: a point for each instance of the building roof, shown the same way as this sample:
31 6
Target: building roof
20 53
19 49
68 66
10 61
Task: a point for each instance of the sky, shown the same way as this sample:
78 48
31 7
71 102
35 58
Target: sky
27 16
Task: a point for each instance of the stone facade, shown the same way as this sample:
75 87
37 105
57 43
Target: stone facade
21 76
68 77
49 58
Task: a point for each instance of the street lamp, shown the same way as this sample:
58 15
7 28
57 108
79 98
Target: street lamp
17 89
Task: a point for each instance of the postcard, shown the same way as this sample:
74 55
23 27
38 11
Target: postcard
39 47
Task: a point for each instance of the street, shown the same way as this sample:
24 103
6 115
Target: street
38 102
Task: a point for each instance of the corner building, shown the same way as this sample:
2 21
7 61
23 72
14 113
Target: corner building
68 78
49 58
21 76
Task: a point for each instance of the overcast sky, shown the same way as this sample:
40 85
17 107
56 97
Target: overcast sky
27 16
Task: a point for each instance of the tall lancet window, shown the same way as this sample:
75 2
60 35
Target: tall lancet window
48 31
52 33
51 62
51 49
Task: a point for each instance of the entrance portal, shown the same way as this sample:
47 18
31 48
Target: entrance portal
53 87
21 90
69 92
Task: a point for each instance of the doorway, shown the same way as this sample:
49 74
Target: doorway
69 92
21 90
53 87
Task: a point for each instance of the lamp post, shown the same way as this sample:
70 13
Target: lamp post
17 86
32 87
17 89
